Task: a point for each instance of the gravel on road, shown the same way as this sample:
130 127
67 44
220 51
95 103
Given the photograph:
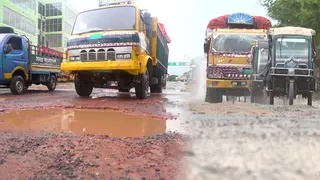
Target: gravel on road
249 141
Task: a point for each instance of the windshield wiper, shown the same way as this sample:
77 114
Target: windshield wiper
95 30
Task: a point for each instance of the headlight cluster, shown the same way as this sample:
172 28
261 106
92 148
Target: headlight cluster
123 56
74 58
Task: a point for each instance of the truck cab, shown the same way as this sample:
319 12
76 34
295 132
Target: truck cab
228 41
131 50
22 65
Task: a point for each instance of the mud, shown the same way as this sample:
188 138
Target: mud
111 135
112 123
52 156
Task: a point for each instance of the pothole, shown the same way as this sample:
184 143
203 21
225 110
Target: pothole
112 123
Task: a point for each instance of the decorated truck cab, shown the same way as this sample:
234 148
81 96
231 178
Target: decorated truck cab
227 46
118 46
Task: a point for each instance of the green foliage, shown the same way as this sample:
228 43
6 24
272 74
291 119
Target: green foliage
303 13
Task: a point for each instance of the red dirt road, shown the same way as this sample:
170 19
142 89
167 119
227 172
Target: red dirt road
36 154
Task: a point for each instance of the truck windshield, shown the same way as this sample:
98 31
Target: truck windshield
235 42
288 47
106 19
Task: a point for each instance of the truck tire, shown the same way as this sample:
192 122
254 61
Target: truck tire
291 93
214 95
124 90
52 83
310 98
83 89
17 86
26 87
157 88
142 87
6 30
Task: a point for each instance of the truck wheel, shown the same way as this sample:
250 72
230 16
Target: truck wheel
26 87
17 85
52 83
252 97
310 98
157 88
291 93
214 95
83 89
142 87
124 90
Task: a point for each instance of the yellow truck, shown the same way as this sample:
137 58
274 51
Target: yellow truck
117 46
227 47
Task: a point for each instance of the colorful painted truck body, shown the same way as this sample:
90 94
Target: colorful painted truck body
22 64
130 50
227 46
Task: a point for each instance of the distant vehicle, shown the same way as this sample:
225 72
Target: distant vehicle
22 64
227 46
291 70
118 42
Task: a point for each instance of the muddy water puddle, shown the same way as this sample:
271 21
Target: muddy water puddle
112 123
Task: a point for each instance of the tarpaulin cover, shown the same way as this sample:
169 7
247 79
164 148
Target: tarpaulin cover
219 22
222 22
164 32
262 22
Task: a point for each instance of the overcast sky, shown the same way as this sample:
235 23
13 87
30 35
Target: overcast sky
186 21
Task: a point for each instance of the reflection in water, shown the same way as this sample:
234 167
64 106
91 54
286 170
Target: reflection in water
115 124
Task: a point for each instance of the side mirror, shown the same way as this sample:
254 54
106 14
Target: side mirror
314 54
147 18
206 47
7 49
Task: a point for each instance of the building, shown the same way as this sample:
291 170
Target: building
44 22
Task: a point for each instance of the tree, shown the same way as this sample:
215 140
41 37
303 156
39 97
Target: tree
303 13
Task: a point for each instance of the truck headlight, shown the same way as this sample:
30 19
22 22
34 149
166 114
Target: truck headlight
123 56
74 58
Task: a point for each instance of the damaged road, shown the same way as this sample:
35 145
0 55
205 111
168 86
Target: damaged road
57 135
248 141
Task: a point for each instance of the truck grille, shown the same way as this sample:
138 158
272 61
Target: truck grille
101 54
83 55
229 72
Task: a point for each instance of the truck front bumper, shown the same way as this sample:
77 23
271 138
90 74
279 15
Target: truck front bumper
227 84
128 65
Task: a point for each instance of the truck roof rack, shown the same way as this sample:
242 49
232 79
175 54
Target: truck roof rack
114 2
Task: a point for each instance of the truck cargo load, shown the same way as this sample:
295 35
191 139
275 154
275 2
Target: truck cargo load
221 22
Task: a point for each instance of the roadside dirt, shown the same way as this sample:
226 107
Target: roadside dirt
31 155
49 136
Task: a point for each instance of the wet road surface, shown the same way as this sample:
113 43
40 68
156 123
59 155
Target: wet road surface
111 135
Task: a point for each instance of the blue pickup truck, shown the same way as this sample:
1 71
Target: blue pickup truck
22 64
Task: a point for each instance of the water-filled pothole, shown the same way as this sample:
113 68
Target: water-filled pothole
114 124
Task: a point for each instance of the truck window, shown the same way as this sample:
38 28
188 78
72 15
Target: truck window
16 44
115 18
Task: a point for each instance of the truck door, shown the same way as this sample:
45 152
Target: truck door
15 54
